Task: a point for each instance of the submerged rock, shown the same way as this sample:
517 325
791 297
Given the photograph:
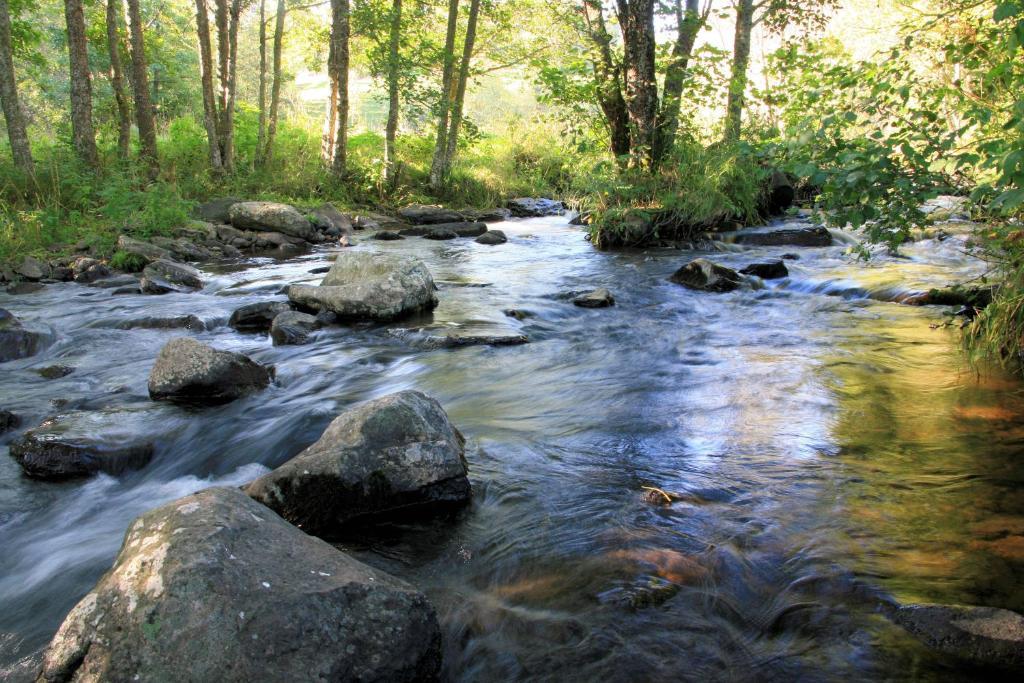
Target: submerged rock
388 235
787 237
986 635
392 454
440 235
767 271
55 371
646 591
599 298
456 229
518 313
18 341
271 217
419 214
370 286
190 372
453 339
8 421
292 327
257 317
495 215
78 444
528 207
164 277
707 276
492 237
215 587
173 322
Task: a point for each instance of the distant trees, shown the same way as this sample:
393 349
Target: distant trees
145 117
17 132
82 133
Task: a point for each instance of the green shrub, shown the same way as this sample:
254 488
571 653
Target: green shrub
129 263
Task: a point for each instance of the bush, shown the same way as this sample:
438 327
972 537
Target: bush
129 263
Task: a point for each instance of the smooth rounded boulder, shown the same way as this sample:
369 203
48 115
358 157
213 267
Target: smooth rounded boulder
392 454
985 635
188 371
706 276
419 214
370 286
20 341
271 217
599 298
164 277
292 328
257 317
492 237
216 587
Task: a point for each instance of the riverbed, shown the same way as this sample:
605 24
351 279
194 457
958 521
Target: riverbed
822 446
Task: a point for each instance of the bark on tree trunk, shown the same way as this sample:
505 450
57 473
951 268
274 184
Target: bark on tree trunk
444 107
608 76
145 118
275 89
209 97
740 61
637 19
124 111
391 128
261 135
331 115
82 133
688 22
341 28
460 89
228 139
17 133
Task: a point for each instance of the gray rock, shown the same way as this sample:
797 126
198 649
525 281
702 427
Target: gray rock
188 322
271 216
257 317
19 288
703 275
82 443
518 313
216 587
55 371
388 235
599 298
225 233
292 328
795 237
392 454
453 339
529 207
332 221
187 371
163 277
20 341
216 210
183 250
8 421
459 229
32 268
418 214
495 215
441 235
370 286
646 591
145 250
767 271
378 221
985 635
91 272
492 237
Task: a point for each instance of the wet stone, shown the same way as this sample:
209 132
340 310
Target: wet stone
55 371
599 298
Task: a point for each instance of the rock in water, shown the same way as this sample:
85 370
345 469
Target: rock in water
528 207
456 229
418 214
788 237
273 217
982 634
599 298
82 443
257 317
706 276
8 421
163 277
492 237
292 327
332 221
190 372
370 286
388 235
395 453
18 341
767 271
216 587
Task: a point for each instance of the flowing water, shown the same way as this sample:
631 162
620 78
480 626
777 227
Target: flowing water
824 448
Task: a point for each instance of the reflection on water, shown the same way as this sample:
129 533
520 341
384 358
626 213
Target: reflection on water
824 449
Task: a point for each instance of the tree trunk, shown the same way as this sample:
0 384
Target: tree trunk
331 114
209 97
340 29
460 89
391 128
608 76
145 118
261 135
740 61
637 19
227 141
17 133
275 89
444 108
82 133
124 111
687 25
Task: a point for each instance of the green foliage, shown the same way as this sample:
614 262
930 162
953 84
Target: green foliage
154 209
129 263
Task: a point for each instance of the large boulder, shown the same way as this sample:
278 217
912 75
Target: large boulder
392 454
164 277
495 215
82 443
271 217
331 221
20 341
529 207
292 328
985 635
492 237
418 214
371 286
707 276
216 210
257 317
459 228
32 268
188 371
769 270
812 236
145 250
599 298
216 587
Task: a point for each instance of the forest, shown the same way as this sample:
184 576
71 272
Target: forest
511 339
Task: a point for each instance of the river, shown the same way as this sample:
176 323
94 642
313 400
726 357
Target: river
823 445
